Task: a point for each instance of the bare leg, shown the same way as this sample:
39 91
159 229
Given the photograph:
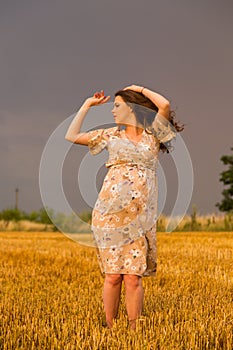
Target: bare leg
111 296
133 297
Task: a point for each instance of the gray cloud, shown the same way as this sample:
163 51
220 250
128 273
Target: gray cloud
55 54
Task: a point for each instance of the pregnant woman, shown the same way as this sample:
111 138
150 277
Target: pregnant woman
125 214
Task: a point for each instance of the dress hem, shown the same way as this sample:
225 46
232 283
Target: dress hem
135 274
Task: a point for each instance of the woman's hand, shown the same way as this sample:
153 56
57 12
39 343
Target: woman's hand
97 99
160 101
135 88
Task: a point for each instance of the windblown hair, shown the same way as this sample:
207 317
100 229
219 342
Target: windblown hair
144 110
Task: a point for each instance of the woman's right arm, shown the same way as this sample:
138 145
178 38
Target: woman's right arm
74 133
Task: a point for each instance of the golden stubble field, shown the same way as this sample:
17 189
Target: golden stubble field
51 295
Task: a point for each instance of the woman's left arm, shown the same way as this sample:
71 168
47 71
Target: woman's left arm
161 102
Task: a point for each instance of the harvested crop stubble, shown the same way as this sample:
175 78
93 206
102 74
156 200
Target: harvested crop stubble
51 295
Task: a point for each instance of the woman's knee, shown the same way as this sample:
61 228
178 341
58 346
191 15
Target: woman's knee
113 279
132 281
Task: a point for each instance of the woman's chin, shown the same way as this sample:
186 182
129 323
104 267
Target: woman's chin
118 123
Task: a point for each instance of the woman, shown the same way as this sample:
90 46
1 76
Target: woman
124 216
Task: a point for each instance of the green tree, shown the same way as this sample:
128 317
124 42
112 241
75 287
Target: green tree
226 177
85 216
10 214
33 216
45 215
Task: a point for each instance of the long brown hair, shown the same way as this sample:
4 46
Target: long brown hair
144 110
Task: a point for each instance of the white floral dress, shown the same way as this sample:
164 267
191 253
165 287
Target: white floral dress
124 216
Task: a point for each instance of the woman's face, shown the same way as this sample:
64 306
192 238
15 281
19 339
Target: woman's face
122 112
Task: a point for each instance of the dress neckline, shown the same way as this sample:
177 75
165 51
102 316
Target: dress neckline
133 141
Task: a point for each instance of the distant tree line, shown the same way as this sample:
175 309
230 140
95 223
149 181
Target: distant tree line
71 223
13 214
44 216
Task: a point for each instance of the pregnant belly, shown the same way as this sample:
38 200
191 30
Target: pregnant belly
124 195
124 182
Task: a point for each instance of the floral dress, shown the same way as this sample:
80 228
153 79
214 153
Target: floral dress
125 214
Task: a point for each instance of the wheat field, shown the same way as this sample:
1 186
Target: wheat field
51 295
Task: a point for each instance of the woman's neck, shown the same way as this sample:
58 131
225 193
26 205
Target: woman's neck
133 130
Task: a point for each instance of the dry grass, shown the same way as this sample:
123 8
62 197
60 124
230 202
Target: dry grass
51 295
209 222
24 225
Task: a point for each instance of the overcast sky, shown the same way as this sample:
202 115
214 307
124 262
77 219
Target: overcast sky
54 54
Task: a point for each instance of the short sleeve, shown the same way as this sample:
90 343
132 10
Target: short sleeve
163 129
96 141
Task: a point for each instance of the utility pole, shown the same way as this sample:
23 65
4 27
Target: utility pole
16 198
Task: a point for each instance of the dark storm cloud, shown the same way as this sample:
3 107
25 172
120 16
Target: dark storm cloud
55 53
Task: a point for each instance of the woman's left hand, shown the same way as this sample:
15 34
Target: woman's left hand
135 88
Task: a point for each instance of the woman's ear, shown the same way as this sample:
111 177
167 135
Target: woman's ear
130 106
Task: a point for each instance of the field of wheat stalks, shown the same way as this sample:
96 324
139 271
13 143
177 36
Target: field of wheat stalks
51 295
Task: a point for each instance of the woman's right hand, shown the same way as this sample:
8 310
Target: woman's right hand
97 99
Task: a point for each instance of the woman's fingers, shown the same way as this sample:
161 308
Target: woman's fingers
99 98
136 88
131 87
127 88
106 99
98 94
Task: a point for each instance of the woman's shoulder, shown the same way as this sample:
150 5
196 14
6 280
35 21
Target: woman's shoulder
113 131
